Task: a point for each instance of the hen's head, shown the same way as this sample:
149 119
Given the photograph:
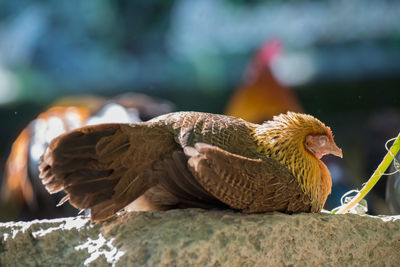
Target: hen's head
302 131
322 144
298 141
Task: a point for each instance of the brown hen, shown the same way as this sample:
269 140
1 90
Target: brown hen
192 159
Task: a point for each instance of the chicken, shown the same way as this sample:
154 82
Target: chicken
193 159
21 187
17 187
261 96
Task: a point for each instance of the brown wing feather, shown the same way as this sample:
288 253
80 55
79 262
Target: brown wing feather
250 185
105 167
179 181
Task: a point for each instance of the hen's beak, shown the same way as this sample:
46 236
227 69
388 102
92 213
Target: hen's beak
335 150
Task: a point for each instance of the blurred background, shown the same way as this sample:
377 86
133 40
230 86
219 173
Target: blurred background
337 60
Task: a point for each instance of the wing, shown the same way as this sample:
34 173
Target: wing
229 133
177 187
249 185
105 167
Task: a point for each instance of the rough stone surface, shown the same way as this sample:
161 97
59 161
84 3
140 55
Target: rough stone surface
204 238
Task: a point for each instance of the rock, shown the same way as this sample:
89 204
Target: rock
196 237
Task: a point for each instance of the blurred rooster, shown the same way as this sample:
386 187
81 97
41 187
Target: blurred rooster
261 96
21 189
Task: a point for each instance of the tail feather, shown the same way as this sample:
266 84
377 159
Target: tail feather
95 167
110 147
69 166
71 163
87 178
104 210
87 201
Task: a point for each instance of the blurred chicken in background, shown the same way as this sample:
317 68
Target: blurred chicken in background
261 96
22 194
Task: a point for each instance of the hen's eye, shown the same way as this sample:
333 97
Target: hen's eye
322 141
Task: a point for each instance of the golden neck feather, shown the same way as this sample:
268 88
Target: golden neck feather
283 140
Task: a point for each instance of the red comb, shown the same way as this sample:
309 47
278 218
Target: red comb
269 50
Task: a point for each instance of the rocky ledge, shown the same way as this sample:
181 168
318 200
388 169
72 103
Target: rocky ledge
197 237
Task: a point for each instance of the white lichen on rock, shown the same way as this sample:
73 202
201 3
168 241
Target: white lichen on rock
197 237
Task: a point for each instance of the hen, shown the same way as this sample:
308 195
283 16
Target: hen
261 96
192 159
